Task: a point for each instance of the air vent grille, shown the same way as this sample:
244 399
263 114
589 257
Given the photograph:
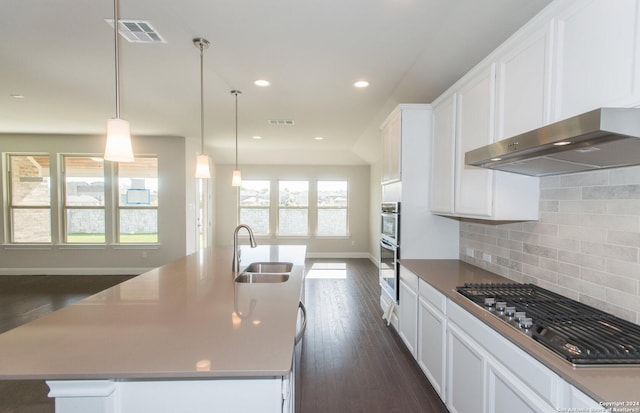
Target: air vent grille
137 31
281 122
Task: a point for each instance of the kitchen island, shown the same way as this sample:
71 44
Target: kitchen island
181 337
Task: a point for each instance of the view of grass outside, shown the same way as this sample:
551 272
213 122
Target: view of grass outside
100 238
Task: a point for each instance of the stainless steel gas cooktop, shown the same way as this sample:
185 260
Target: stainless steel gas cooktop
581 334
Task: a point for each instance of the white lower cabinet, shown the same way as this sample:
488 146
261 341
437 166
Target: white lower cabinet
432 336
465 372
408 314
506 393
472 367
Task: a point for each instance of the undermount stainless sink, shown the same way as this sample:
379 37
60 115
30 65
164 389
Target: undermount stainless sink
256 277
265 272
269 267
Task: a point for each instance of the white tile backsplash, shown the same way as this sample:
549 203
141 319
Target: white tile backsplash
586 244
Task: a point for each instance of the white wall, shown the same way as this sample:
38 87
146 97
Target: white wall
375 192
357 244
102 259
586 244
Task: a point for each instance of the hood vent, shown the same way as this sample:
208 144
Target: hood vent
281 122
602 138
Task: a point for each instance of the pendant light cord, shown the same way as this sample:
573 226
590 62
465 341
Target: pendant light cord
201 99
116 20
236 93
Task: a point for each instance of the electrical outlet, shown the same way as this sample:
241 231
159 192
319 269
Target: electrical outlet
470 252
486 257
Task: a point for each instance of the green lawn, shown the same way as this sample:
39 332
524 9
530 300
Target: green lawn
100 238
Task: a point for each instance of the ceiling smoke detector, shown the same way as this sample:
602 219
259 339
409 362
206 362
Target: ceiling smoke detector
137 31
281 122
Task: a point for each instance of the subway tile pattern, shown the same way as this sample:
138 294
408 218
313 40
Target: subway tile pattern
585 246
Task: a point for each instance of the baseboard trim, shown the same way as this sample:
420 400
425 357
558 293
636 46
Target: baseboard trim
337 255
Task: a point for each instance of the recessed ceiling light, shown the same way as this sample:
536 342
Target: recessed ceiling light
361 83
318 138
17 96
262 83
562 143
257 137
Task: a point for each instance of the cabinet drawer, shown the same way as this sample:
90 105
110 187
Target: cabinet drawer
539 378
433 296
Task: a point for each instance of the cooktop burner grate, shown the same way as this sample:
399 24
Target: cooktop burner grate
581 334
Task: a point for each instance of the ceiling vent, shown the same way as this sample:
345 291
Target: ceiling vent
281 122
137 31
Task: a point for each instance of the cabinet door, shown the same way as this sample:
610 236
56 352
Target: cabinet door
505 393
408 315
391 149
597 56
443 155
524 87
432 330
474 128
465 372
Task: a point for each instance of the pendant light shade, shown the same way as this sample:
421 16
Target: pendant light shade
236 178
202 160
202 167
118 147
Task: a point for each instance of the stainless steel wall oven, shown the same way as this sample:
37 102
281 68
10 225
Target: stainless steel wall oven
390 249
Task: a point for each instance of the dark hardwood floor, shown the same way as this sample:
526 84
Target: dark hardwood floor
349 360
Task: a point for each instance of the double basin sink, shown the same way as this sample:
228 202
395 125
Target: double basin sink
265 272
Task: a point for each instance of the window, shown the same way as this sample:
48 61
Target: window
138 201
332 208
255 201
84 214
30 198
293 208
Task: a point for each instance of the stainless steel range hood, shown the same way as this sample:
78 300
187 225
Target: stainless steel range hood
602 138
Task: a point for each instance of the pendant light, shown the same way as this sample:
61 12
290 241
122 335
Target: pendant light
118 147
236 179
202 160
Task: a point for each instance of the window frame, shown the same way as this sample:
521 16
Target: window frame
319 208
64 207
119 207
11 207
306 208
250 207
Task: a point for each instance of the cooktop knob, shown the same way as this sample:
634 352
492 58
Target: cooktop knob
518 315
525 323
501 305
510 311
489 301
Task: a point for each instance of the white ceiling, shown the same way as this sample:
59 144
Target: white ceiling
59 55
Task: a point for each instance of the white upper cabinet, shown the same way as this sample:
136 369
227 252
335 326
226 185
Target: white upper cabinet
523 100
392 148
443 154
474 128
464 120
596 56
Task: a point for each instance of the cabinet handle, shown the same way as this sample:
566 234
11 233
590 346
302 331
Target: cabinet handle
304 322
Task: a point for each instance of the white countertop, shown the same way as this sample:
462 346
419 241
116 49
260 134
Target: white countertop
186 319
603 384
